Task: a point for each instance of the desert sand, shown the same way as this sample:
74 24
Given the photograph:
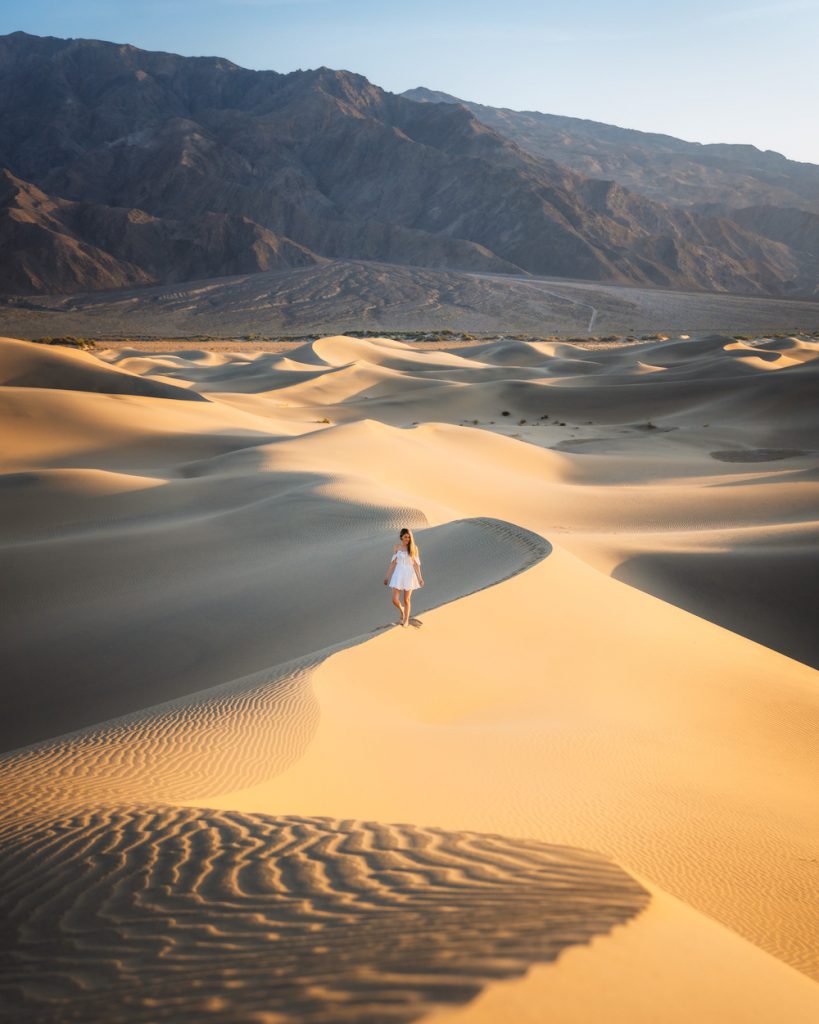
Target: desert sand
581 785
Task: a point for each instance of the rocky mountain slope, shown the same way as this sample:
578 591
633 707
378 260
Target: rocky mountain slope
126 166
660 166
61 245
762 191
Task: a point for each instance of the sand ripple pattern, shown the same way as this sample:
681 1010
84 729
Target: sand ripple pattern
142 913
244 731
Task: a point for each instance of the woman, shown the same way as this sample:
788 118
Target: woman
406 575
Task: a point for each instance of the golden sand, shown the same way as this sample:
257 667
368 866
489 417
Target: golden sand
580 786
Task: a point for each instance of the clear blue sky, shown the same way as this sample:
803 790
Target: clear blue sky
704 70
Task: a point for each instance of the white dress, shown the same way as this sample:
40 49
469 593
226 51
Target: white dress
404 576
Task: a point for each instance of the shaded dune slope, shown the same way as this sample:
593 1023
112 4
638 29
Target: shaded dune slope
753 588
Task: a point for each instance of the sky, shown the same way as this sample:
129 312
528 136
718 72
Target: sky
703 70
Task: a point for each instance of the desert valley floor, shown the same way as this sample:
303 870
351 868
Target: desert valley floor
581 785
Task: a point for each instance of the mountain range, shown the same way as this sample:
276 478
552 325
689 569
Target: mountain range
124 167
702 177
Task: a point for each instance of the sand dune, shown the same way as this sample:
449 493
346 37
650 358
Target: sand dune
35 366
166 640
665 763
188 647
600 731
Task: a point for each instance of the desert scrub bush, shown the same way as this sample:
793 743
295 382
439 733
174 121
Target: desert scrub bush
69 340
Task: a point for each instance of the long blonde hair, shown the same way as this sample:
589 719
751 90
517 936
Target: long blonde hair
412 547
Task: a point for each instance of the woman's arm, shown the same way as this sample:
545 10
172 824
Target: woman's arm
392 563
417 566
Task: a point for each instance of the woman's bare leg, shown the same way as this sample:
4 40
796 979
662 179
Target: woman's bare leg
396 600
407 596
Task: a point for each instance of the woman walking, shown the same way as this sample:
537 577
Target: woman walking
406 574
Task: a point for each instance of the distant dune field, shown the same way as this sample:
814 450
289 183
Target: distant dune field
580 785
